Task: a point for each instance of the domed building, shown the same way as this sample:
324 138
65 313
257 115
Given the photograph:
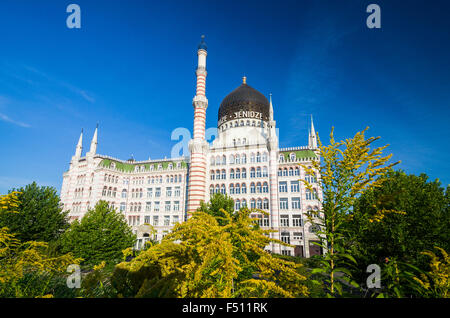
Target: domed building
244 161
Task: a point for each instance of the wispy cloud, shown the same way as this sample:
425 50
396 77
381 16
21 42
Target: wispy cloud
6 118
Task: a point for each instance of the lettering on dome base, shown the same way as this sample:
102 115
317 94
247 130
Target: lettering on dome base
241 114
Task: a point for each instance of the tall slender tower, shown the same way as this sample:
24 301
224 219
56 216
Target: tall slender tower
93 149
79 148
272 146
198 145
312 140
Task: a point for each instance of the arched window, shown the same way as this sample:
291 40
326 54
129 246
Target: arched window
237 204
244 203
224 174
258 157
292 156
217 188
213 161
258 187
297 172
280 172
252 172
222 189
258 172
252 203
237 159
224 160
308 194
264 157
265 172
238 188
285 172
232 174
266 204
244 173
212 175
252 157
217 174
244 158
231 159
238 173
243 188
265 187
211 190
217 160
291 172
231 189
252 187
281 158
259 204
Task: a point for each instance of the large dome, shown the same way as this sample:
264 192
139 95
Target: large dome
244 102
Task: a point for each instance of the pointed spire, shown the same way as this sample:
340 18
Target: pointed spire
312 138
93 148
79 148
244 80
313 132
271 107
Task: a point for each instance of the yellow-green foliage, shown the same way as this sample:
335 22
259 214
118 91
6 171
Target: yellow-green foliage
347 168
436 283
201 258
18 259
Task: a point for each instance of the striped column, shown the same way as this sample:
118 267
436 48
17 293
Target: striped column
198 145
274 203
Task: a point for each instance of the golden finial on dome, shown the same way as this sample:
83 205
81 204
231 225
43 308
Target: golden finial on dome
244 80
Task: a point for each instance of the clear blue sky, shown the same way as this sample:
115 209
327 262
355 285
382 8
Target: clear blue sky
131 68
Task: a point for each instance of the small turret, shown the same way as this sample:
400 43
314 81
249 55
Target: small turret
93 148
79 148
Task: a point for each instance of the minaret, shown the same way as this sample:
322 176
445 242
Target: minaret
272 146
312 139
198 145
93 148
79 148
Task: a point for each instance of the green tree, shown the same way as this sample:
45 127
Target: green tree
214 254
27 270
347 168
101 235
40 216
376 233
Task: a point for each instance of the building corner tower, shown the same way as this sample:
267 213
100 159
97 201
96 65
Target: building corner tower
198 146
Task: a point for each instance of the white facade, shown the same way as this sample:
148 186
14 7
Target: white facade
244 161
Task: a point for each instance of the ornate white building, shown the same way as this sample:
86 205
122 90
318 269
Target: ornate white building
244 161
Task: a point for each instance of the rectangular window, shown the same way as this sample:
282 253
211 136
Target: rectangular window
283 186
177 191
176 219
284 220
158 192
156 206
147 219
297 220
176 206
166 220
155 220
148 206
296 203
167 208
284 203
286 237
297 236
169 191
295 186
149 192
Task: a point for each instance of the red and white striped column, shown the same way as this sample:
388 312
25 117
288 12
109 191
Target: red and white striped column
198 145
